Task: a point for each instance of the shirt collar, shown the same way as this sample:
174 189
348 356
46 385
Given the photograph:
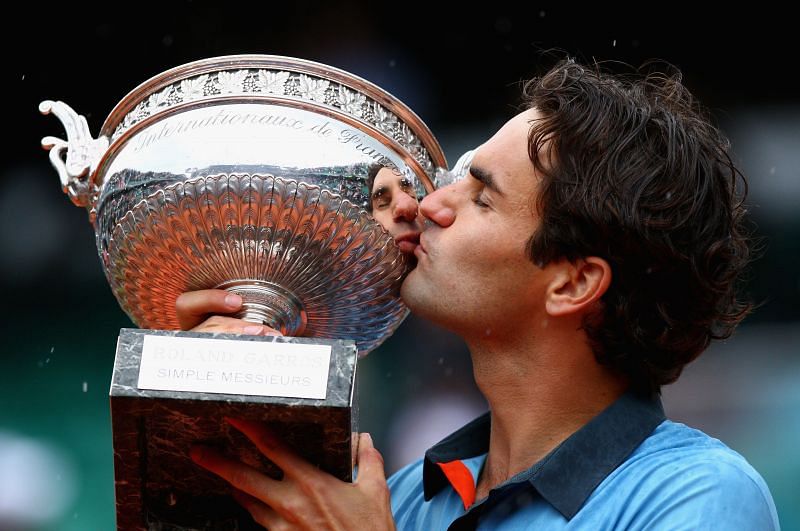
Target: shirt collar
569 474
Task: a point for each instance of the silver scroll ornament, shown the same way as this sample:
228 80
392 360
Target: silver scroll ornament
248 173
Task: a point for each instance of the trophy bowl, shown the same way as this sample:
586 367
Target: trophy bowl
249 173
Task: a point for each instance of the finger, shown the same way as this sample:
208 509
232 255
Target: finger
262 513
193 307
240 475
370 461
221 324
273 448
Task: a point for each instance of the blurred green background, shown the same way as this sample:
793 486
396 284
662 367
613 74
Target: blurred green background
460 71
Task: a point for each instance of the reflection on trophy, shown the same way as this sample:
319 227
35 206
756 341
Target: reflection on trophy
246 173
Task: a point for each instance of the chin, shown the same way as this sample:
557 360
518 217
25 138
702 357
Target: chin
418 296
409 290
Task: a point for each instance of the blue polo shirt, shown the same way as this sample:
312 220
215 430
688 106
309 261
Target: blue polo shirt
628 468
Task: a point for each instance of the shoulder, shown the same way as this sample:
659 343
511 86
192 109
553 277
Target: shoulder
682 476
407 496
674 448
407 481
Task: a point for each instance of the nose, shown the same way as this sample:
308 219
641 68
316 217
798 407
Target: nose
405 208
438 206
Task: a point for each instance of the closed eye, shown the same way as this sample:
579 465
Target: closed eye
480 199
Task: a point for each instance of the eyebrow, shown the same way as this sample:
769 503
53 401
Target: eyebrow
485 176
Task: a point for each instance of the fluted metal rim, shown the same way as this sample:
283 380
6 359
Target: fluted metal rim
119 144
303 66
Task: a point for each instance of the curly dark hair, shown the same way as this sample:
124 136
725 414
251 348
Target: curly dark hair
633 171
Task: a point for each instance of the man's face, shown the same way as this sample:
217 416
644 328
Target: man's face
473 274
395 206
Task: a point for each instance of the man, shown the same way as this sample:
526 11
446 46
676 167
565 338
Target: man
393 203
592 251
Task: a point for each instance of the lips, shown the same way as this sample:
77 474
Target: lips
407 242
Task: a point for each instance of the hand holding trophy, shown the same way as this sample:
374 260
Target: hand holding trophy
251 174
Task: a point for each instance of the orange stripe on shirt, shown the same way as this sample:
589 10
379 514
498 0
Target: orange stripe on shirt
461 479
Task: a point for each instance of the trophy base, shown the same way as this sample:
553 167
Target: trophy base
270 304
154 425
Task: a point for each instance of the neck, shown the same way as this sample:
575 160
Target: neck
540 391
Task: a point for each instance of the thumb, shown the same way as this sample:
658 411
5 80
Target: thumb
370 460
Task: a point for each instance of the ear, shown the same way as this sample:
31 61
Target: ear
575 287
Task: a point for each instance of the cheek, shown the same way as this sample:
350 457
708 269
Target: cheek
382 217
495 263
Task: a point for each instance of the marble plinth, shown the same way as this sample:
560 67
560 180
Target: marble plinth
158 487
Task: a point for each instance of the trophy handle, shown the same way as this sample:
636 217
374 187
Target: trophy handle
82 153
459 171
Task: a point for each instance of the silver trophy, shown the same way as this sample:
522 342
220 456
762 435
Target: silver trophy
246 173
